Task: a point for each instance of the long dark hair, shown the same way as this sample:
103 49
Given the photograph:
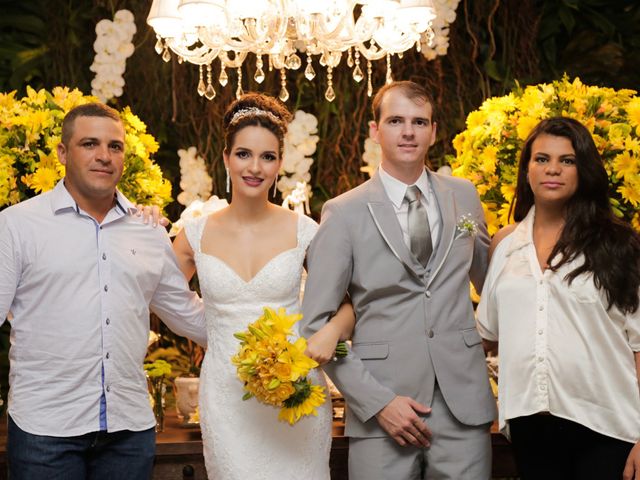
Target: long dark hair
611 248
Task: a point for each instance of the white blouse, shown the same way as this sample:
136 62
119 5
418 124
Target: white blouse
561 351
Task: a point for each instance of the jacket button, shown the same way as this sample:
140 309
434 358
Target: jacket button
430 333
428 293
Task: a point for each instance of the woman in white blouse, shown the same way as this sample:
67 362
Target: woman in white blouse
561 298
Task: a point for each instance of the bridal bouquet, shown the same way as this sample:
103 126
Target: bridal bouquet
274 370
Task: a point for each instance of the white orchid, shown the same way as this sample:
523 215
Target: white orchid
372 156
299 145
112 46
445 16
196 209
195 181
298 199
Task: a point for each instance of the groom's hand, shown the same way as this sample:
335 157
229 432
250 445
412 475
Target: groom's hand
400 420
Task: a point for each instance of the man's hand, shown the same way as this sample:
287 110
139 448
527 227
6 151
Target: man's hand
632 467
399 418
151 212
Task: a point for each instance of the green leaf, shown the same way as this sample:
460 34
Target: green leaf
567 18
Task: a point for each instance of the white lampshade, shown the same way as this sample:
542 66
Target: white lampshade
165 19
201 13
416 12
250 8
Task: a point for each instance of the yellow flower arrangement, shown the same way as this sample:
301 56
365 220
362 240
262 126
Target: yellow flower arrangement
487 152
274 370
30 129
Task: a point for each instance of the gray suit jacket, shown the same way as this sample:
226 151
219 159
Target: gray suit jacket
413 324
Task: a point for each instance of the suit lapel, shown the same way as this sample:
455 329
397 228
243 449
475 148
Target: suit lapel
446 204
386 221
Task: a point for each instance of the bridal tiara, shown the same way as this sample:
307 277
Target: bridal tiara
250 111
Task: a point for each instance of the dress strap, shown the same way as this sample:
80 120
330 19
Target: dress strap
193 229
307 228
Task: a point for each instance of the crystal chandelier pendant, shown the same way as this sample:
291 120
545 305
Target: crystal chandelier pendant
259 76
294 62
369 85
284 93
201 86
166 56
239 91
357 74
309 72
389 77
159 47
223 79
210 93
349 58
330 94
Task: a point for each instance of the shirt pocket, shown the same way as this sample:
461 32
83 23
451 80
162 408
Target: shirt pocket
583 290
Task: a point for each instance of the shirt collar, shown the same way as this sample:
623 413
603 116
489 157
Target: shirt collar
523 234
396 189
61 200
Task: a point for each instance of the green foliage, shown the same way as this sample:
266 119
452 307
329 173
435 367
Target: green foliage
598 40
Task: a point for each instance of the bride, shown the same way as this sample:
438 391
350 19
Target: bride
250 255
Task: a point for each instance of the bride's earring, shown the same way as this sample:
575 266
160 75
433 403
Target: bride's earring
228 180
275 186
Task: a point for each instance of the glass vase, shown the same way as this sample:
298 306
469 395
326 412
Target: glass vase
158 389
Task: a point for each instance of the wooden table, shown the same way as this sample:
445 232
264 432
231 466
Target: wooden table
179 453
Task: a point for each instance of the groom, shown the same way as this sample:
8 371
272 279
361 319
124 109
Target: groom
404 246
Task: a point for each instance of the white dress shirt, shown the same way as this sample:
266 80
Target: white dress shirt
561 351
396 191
79 293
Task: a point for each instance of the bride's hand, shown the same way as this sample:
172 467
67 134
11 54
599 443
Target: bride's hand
321 345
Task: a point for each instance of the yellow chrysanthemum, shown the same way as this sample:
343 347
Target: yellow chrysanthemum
630 192
633 112
525 125
626 166
42 180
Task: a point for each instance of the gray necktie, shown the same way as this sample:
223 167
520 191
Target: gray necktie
419 231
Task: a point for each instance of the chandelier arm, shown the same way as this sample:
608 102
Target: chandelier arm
370 53
202 55
236 62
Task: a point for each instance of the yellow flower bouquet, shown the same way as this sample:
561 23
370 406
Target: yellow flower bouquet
487 152
30 130
274 370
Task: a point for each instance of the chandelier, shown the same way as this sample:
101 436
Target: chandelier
288 33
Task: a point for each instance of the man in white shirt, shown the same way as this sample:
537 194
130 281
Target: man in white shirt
78 274
404 246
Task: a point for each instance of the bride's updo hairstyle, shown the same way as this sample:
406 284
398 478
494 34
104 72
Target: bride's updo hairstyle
256 109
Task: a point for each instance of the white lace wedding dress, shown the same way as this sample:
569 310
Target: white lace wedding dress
244 440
